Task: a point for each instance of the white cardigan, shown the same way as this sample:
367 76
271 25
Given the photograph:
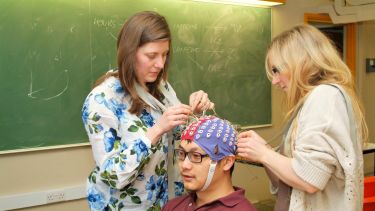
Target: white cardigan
324 154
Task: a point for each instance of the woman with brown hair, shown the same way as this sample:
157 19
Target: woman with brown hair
132 118
319 165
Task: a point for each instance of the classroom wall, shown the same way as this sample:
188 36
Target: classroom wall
46 170
59 168
366 81
367 50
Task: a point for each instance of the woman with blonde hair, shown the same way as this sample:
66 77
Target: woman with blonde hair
319 165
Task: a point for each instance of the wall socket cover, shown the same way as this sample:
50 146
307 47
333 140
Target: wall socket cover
370 65
53 197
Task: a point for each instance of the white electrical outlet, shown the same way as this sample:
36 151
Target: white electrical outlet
55 196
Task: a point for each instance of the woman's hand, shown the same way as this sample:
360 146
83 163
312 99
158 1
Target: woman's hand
199 102
279 167
173 116
251 146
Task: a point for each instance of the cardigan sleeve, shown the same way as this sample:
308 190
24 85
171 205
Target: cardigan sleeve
322 137
118 139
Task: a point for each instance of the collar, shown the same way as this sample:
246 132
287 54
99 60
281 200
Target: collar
230 200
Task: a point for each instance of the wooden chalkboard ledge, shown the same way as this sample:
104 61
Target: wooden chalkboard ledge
44 148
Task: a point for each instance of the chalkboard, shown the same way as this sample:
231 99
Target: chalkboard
51 52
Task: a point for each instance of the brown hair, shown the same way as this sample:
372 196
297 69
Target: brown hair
139 29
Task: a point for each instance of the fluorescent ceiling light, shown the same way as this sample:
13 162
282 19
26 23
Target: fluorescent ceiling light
267 3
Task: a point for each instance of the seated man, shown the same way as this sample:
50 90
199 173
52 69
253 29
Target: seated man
206 157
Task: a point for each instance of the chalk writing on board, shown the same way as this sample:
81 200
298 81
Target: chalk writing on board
236 27
35 24
214 67
195 62
32 93
36 94
113 36
215 53
217 29
50 29
186 49
72 29
185 33
185 26
104 23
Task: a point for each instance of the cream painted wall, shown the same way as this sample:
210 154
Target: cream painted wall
367 30
59 168
45 170
366 81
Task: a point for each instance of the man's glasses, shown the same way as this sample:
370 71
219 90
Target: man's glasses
194 157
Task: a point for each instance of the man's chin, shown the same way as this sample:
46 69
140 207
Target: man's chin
190 188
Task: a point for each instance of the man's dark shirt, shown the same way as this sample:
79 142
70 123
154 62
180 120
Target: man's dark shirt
233 201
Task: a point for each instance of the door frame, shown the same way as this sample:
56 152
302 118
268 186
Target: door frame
350 56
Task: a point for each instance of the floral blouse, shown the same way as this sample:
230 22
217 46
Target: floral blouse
130 173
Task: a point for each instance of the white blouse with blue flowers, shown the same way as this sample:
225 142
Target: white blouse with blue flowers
130 173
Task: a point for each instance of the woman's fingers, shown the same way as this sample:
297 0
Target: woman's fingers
250 145
243 155
245 134
194 99
205 105
199 101
202 100
241 150
243 143
179 109
178 117
211 105
250 135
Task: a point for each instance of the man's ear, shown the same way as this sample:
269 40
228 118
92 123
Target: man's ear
228 162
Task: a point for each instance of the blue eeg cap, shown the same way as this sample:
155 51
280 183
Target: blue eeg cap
217 137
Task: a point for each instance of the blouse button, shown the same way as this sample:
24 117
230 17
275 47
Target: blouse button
190 204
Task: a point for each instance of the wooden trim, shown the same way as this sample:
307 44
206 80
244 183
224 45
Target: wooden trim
44 148
279 1
317 18
351 47
350 42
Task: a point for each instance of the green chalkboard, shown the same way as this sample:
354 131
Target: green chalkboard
51 52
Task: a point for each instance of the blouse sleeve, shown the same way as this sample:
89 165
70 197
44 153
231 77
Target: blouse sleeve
322 135
118 139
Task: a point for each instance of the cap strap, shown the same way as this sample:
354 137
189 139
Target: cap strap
210 175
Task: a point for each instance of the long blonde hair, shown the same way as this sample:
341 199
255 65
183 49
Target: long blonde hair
310 59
